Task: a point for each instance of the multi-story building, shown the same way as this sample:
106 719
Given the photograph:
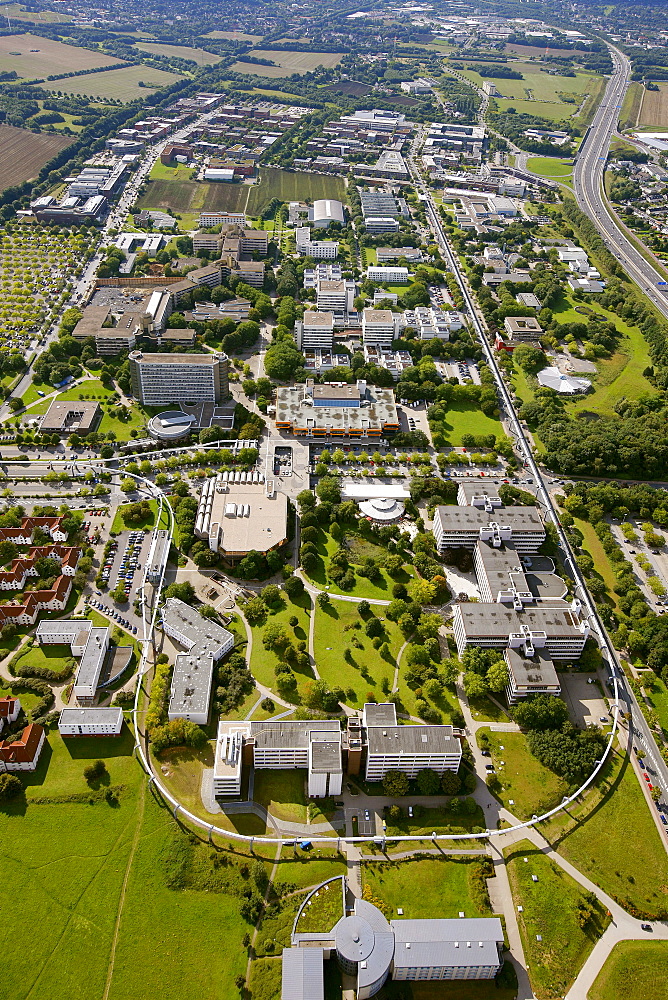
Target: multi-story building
386 255
558 628
76 417
22 754
408 749
376 225
336 297
315 330
523 328
239 517
530 671
431 323
10 709
462 527
90 722
380 327
161 379
388 275
205 642
209 220
100 663
317 249
382 204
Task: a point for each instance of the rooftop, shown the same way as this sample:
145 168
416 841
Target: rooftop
206 360
469 518
90 716
297 735
531 671
248 518
412 740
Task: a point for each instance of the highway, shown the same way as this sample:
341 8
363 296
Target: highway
588 184
623 699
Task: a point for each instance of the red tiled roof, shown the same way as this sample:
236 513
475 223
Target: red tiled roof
7 706
23 750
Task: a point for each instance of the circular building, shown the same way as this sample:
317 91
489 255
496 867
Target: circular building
172 425
382 511
365 947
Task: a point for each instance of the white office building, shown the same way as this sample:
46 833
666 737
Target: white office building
161 379
462 527
408 749
375 225
315 331
90 722
388 275
318 249
380 327
558 628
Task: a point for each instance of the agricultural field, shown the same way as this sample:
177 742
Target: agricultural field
287 63
35 268
32 56
654 107
200 56
24 153
628 116
19 13
234 36
123 84
288 186
171 187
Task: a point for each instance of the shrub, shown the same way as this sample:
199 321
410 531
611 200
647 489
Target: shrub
95 771
10 787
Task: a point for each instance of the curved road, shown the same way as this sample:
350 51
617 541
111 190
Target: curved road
588 184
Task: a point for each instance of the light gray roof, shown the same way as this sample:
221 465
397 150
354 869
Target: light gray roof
493 620
90 716
268 735
502 566
531 671
412 740
521 519
302 975
90 665
325 756
71 628
455 943
383 714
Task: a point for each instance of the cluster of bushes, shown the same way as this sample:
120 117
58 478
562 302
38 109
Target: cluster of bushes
162 676
176 733
35 686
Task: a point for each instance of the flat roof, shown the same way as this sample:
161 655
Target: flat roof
329 391
73 415
531 671
90 716
378 316
302 974
468 518
383 714
261 528
294 405
325 755
293 735
480 619
206 360
92 659
456 943
189 621
502 566
412 740
71 628
325 319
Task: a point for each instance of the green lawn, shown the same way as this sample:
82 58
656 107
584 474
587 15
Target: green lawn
290 186
602 565
634 970
52 657
550 910
526 786
305 870
466 420
551 166
265 981
437 820
485 710
594 836
283 793
118 524
425 887
657 694
358 549
263 661
366 672
554 112
275 927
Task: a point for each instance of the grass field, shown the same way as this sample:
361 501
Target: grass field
287 63
634 970
555 112
200 56
628 116
551 166
550 910
602 565
461 420
657 694
367 672
119 83
309 869
33 56
19 13
288 186
234 36
263 661
425 887
282 793
24 153
323 910
527 786
119 524
593 835
358 549
265 980
654 107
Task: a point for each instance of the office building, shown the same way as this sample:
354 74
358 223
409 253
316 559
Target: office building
376 225
90 722
100 662
520 328
388 275
559 629
350 411
430 323
387 255
76 417
205 642
209 220
419 86
161 379
457 527
380 327
317 249
382 204
315 331
531 671
408 749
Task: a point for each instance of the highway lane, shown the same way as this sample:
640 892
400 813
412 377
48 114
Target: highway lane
623 699
588 184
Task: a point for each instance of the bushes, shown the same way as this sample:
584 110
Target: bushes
159 689
36 686
10 787
177 732
45 673
95 771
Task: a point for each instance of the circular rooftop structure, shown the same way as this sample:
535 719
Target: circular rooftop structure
383 510
170 425
354 938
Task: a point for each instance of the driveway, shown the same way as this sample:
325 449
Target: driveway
585 701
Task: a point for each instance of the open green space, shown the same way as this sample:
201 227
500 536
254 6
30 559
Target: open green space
485 710
234 36
283 794
363 672
265 978
358 548
552 167
602 565
123 84
305 870
172 188
275 926
634 970
526 787
461 419
31 56
656 693
118 524
55 657
180 768
286 62
426 887
264 661
287 186
593 835
439 819
551 910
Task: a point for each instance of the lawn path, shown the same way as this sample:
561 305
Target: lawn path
121 902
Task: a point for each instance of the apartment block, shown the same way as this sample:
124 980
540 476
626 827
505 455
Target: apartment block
161 379
90 722
388 275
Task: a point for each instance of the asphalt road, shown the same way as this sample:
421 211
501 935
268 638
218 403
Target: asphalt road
588 184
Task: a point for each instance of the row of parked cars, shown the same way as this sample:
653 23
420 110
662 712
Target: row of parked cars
130 560
106 569
113 615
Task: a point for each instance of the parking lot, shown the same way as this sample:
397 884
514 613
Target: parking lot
126 564
585 701
365 827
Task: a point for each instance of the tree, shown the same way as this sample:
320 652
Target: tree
474 685
395 784
529 358
422 591
428 781
270 594
323 600
294 587
183 591
363 608
541 713
10 787
497 677
450 783
329 490
95 771
275 636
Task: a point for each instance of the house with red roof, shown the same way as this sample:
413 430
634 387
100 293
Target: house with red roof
22 754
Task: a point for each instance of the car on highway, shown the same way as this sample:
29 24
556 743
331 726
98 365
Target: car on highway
367 815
